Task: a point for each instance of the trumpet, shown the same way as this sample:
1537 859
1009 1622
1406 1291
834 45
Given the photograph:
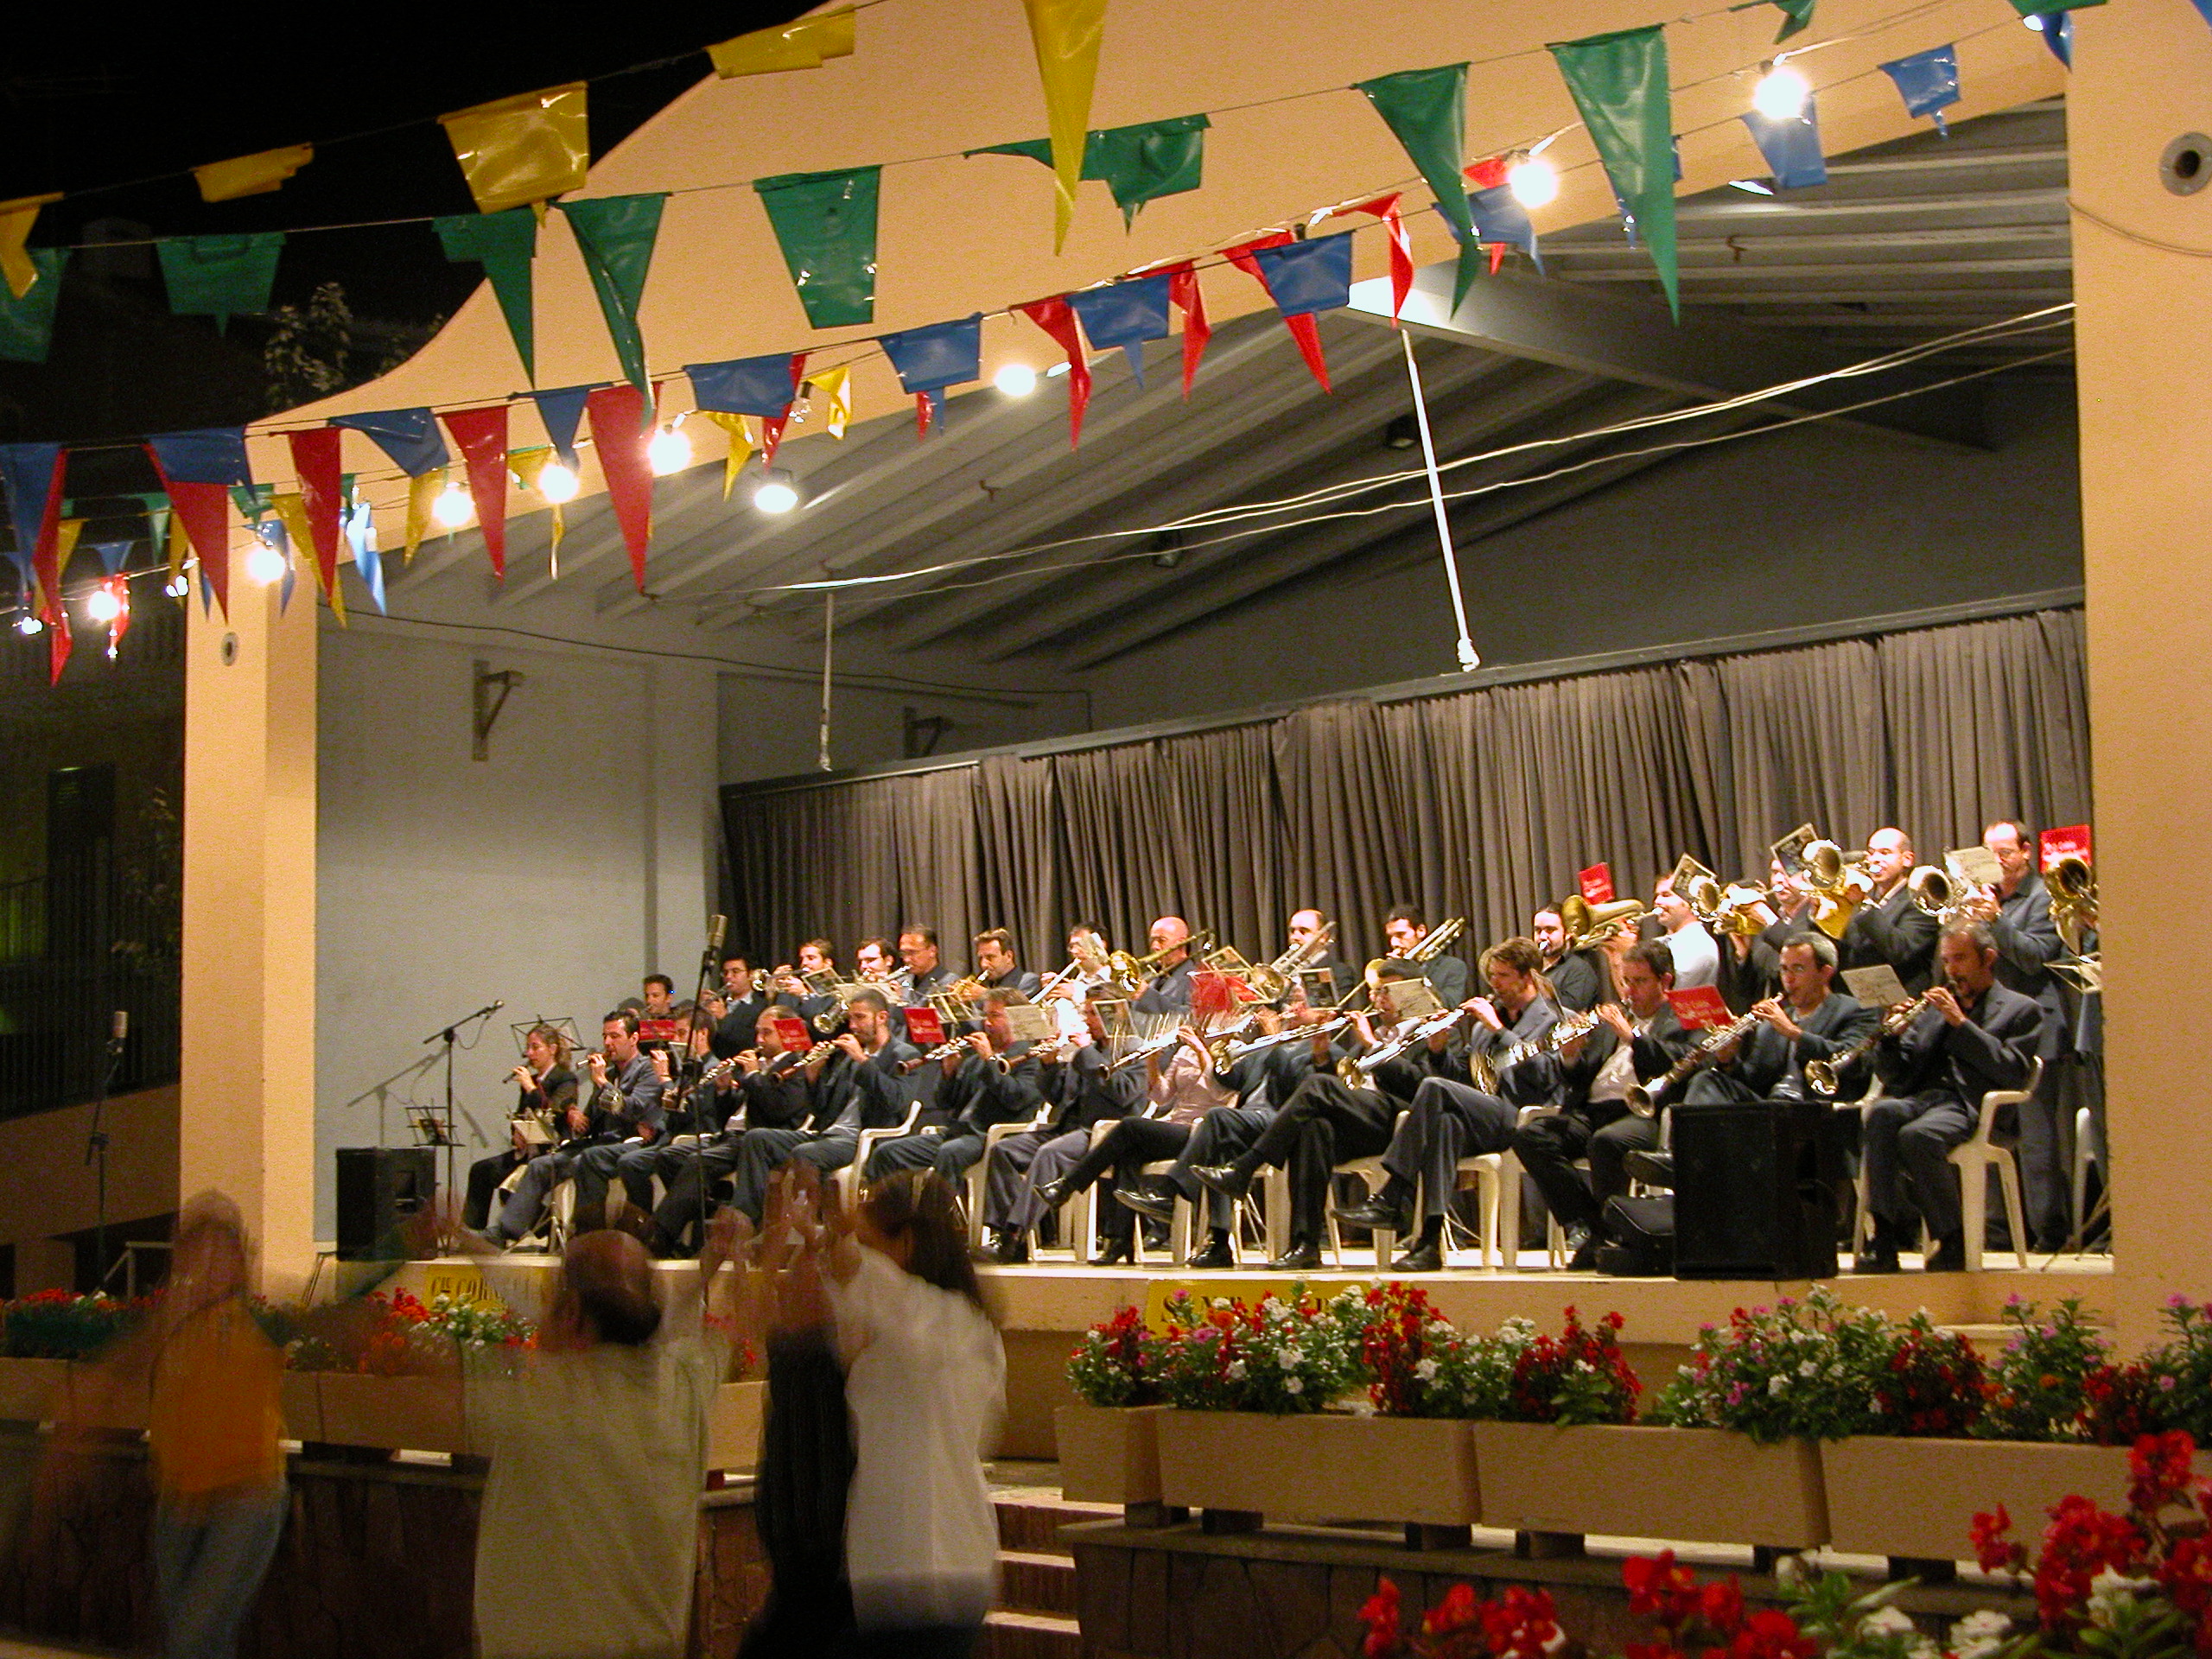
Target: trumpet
2073 887
1486 1068
1840 885
1587 924
1728 909
1824 1076
1645 1100
1934 893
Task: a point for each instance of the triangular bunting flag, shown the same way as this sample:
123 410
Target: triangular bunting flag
562 409
1796 14
1303 328
1126 315
930 359
410 436
292 512
520 151
482 435
1791 148
801 45
1306 277
1056 318
17 266
833 388
1426 110
760 387
741 444
361 537
1402 246
197 468
616 235
1142 163
27 324
618 415
219 276
422 493
2057 30
1927 82
1183 288
251 176
32 473
315 463
825 225
1066 36
506 244
1619 84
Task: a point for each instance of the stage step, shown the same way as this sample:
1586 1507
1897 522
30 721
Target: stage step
1032 1521
1010 1634
1032 1582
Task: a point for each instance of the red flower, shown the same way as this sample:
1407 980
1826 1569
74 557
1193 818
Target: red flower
1721 1605
2158 1470
1380 1615
1522 1622
1997 1552
1770 1634
1455 1613
1659 1589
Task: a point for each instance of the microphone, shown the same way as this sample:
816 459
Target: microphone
715 932
120 1026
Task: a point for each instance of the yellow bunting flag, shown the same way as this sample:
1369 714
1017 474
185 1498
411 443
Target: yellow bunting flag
801 45
520 151
422 492
833 388
529 467
1066 34
292 512
743 441
17 218
65 542
251 176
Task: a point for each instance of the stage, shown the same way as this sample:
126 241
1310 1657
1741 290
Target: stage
1045 1306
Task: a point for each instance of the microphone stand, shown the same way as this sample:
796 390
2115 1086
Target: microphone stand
96 1143
446 1035
709 970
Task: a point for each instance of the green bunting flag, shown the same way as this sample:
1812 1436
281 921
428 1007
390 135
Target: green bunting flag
1619 85
1426 109
26 325
505 244
1796 14
219 276
1139 164
616 234
825 225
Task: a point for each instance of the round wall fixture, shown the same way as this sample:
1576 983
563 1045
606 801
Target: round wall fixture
230 648
2186 168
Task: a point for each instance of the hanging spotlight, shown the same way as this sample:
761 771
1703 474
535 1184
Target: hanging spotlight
102 605
669 452
774 493
453 507
1533 181
1016 380
264 564
28 624
1781 93
557 483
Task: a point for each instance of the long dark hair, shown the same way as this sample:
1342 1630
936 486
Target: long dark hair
920 1205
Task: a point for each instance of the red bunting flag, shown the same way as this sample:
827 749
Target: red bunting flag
45 554
57 645
1056 318
618 421
118 587
1402 247
1183 291
322 488
1303 329
204 511
1488 174
772 426
481 435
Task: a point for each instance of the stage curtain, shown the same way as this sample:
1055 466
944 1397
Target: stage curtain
1481 802
1988 720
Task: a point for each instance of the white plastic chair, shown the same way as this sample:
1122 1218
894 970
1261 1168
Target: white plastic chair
1371 1173
1497 1199
847 1181
2085 1154
1973 1160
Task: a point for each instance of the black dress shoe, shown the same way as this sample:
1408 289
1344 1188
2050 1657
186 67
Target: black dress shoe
1375 1216
1301 1257
1117 1252
1578 1241
1874 1260
1013 1247
1427 1256
1585 1258
1151 1205
1949 1255
1053 1194
1215 1256
1226 1180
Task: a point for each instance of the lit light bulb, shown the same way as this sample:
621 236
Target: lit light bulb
556 483
1533 181
264 564
669 452
2034 20
28 624
1781 93
103 605
176 586
1016 380
453 507
775 494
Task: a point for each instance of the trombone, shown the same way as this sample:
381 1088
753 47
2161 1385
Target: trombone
1127 973
1272 981
1433 942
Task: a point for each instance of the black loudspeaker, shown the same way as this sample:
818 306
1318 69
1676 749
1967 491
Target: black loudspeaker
1755 1186
379 1188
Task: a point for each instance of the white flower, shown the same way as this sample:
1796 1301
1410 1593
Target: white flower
1236 1372
1790 1572
1426 1371
1982 1625
1221 1301
1922 1648
1809 1368
2108 1590
1288 1358
1292 1385
1777 1383
1886 1621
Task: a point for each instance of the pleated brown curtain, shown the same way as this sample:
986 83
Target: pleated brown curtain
1118 870
1018 837
932 817
1432 762
1218 802
1348 838
1808 746
1987 720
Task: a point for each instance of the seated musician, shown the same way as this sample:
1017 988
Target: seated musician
860 1082
1253 1086
1328 1121
624 1101
996 969
1697 958
1168 991
1307 925
1077 1093
1810 1021
1581 976
988 1078
548 1095
737 1008
699 1100
1446 974
817 959
660 998
1974 1035
1180 1092
927 973
771 1093
1889 929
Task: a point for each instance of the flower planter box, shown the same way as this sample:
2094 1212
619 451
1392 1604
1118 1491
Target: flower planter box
32 1390
303 1402
1108 1454
1917 1498
733 1426
1327 1467
418 1414
1701 1484
100 1400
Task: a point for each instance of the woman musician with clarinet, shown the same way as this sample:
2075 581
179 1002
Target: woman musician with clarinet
546 1114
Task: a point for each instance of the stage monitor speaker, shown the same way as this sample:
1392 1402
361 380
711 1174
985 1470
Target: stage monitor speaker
1755 1186
379 1188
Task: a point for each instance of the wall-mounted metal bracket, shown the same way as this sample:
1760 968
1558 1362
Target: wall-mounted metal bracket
492 693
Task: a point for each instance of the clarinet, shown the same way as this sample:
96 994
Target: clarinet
1645 1101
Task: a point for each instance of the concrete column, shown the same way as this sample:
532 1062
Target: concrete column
2141 76
246 1119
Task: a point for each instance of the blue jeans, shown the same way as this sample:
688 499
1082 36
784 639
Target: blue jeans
209 1560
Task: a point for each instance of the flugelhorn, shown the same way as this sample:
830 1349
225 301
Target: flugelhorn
1839 885
2073 887
1824 1076
1587 923
1726 909
1934 893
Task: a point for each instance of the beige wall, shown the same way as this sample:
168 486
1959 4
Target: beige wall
2144 76
46 1188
